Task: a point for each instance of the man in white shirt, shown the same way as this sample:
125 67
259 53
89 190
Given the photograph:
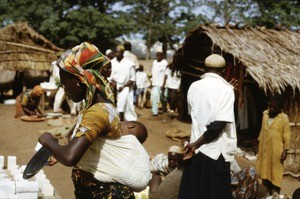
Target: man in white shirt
129 55
158 72
133 58
213 136
123 77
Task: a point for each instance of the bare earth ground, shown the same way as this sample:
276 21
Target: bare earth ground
19 138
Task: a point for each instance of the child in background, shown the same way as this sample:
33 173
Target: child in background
274 141
141 85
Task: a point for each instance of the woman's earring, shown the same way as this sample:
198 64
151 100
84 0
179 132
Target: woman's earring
78 84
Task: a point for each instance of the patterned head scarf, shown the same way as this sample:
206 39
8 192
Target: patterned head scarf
37 90
85 61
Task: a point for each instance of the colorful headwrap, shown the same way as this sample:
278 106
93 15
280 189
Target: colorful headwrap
38 90
85 61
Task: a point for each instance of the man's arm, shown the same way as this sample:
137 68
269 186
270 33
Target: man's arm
213 131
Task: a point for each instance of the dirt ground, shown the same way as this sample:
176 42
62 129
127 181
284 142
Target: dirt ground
18 138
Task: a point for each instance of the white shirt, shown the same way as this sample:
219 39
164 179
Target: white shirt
212 99
54 69
122 71
122 160
158 72
173 81
131 57
141 79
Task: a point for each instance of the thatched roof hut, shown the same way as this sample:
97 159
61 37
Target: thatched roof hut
21 48
264 61
270 57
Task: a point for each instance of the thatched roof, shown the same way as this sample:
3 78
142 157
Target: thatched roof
21 48
271 57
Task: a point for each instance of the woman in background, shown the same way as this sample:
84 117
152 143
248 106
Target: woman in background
28 101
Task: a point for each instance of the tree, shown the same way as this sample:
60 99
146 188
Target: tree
274 13
268 13
230 12
161 20
67 23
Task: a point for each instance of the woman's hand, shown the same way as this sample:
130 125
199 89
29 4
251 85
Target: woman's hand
51 161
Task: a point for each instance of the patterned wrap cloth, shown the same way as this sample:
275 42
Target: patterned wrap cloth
85 61
87 187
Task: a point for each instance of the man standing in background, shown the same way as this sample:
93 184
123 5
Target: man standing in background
158 72
123 78
206 173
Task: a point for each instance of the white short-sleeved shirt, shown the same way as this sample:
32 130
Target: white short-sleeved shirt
122 71
173 80
212 99
141 79
158 72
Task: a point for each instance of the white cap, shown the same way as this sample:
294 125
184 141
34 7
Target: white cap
107 52
175 149
215 61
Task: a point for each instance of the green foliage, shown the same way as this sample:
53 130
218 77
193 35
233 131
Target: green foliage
269 13
67 22
275 13
162 20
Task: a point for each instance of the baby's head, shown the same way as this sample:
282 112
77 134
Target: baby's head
135 128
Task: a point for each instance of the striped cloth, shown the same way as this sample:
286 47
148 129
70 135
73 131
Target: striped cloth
85 61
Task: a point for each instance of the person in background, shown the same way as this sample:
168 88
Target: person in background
133 58
123 78
163 164
110 54
206 172
167 186
274 142
129 55
141 85
296 194
83 74
244 182
172 83
27 103
158 71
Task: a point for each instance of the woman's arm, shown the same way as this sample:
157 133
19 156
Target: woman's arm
68 155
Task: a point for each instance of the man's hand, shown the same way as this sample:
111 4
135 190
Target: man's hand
189 151
120 88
